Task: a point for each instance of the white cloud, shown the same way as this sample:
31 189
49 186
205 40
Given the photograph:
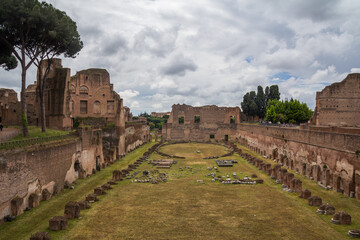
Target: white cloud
160 53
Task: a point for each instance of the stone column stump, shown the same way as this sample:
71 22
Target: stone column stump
306 194
58 223
91 198
40 236
72 210
315 201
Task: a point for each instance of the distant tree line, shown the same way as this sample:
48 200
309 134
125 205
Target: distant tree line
254 104
154 122
267 105
288 111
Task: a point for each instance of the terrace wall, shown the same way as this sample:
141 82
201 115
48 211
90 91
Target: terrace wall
327 157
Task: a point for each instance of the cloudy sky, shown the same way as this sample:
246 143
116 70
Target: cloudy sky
164 52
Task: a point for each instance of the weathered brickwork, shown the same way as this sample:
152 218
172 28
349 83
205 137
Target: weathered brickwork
327 157
338 104
136 134
10 107
87 94
187 123
46 168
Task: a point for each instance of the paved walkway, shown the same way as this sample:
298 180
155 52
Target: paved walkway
8 133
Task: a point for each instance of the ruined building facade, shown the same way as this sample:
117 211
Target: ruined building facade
187 123
10 107
339 104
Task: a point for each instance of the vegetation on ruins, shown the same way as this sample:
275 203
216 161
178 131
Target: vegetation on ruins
31 30
254 104
61 37
288 111
155 122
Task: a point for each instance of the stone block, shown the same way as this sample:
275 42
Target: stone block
111 182
45 195
281 175
106 186
72 210
289 178
34 200
355 233
326 208
315 201
99 191
16 206
116 175
341 218
40 236
84 205
306 194
296 185
58 223
92 198
259 180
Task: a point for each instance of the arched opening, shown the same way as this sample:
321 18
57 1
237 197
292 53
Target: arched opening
97 107
84 91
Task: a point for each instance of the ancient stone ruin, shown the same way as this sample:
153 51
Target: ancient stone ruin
72 210
58 223
40 236
341 218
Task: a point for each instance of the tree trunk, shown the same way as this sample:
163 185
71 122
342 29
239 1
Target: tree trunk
41 88
23 101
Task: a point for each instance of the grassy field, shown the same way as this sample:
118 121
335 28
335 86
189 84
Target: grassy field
36 132
182 208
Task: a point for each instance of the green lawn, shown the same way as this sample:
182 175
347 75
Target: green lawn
184 209
36 132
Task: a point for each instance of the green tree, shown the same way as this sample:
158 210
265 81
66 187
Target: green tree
267 93
7 60
60 36
287 111
29 29
260 102
274 93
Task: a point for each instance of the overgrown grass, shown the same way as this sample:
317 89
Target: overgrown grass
38 218
184 209
35 132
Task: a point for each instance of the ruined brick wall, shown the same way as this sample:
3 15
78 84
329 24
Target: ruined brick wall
136 134
92 95
56 98
34 169
328 158
187 123
339 103
10 107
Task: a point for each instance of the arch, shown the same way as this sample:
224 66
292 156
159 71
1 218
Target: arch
84 90
97 107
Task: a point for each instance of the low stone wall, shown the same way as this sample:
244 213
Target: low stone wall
44 169
328 158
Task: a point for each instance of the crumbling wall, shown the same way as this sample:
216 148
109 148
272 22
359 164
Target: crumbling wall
187 123
34 169
136 134
338 104
328 158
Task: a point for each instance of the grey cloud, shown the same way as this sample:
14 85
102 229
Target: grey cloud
159 43
178 66
113 45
